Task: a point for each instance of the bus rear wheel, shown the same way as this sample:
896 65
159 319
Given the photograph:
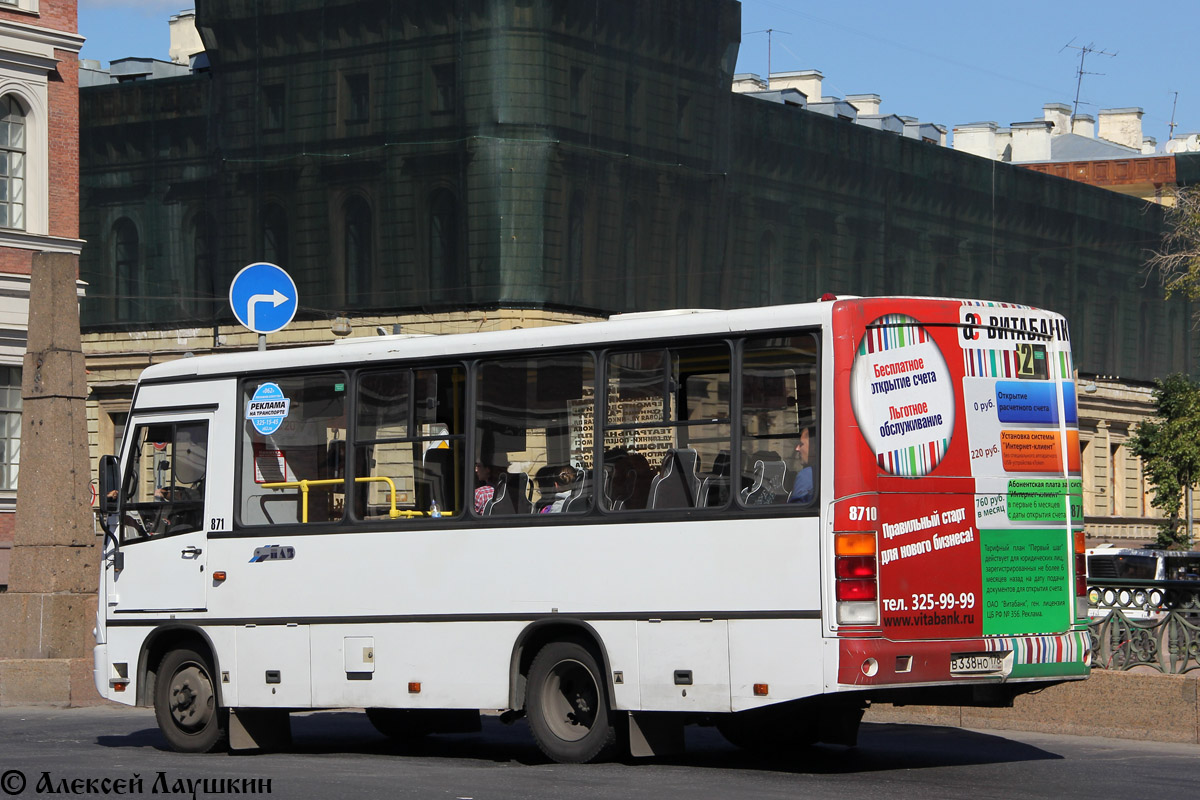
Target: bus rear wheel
185 703
566 705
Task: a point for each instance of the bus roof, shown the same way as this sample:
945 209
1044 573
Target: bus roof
366 349
671 323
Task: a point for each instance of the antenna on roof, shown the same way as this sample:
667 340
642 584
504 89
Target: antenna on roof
1084 51
1171 125
768 32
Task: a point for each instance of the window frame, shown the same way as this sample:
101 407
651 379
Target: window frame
598 510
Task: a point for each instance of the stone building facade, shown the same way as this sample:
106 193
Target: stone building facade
483 162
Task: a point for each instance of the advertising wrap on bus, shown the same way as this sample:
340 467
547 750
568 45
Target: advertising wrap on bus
962 455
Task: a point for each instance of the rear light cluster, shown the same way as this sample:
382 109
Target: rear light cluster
856 586
1081 589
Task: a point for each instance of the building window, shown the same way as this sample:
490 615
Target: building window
576 248
445 275
202 231
579 99
357 248
445 88
12 163
272 107
125 266
10 426
275 235
683 117
357 103
633 117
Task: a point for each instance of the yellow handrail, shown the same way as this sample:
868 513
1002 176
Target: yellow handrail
304 485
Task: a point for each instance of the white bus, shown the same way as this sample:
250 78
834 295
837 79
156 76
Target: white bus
761 518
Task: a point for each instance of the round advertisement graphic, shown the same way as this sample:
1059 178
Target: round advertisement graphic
902 395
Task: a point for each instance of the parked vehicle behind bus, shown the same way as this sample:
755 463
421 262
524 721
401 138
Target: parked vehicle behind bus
762 518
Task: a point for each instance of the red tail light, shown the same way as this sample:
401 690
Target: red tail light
1080 565
856 589
855 567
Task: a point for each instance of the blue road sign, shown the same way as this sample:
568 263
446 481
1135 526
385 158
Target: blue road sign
263 297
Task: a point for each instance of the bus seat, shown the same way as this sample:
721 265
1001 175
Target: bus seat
677 485
581 493
768 484
511 496
714 491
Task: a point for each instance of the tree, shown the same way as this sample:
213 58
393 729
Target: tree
1169 447
1177 263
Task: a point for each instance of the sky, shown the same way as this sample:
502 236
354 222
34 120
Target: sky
949 62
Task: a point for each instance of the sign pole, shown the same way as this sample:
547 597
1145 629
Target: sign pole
262 343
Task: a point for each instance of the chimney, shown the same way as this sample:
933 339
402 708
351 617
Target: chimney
808 81
976 138
1059 114
1031 141
1084 125
1149 146
185 39
1121 125
865 103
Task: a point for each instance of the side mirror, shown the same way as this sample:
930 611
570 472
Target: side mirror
110 480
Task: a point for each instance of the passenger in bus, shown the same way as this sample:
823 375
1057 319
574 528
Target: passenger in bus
631 476
486 477
562 482
802 488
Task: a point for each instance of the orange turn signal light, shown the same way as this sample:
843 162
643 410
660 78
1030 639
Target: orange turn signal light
119 687
1080 542
414 687
854 544
760 689
219 576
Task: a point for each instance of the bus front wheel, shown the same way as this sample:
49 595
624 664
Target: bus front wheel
185 703
566 705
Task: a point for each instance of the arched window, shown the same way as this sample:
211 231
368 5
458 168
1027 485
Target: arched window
12 163
357 249
203 229
814 273
1116 336
274 228
575 251
126 267
941 280
445 268
629 257
680 279
767 268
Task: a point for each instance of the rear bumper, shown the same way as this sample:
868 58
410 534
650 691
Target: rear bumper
866 663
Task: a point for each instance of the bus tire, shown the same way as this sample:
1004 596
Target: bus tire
566 705
185 703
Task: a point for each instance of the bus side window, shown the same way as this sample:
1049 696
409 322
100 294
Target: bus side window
780 462
409 444
667 428
535 436
293 430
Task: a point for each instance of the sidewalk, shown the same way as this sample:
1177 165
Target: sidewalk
1143 705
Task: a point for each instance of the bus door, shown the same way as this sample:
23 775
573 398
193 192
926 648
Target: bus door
163 497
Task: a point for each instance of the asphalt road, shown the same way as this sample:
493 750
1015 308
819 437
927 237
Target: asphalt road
339 755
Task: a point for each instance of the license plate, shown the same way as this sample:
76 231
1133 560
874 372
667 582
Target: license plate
976 663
